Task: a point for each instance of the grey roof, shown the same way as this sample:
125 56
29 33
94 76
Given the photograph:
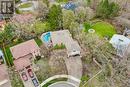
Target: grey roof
64 37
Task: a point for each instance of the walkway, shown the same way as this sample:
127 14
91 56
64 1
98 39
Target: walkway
74 67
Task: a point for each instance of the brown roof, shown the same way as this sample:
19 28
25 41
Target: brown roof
22 62
24 49
23 18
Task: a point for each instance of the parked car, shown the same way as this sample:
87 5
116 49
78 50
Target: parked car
30 72
24 76
35 82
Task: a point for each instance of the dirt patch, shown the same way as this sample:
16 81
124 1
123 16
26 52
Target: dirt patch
57 62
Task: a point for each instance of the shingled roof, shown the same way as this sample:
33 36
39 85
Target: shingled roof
24 49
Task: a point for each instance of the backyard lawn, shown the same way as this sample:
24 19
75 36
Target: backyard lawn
101 28
26 5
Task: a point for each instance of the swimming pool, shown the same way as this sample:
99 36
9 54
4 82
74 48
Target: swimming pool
46 37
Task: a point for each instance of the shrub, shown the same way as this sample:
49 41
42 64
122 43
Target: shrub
61 46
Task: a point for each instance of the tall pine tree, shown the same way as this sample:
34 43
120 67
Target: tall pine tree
55 17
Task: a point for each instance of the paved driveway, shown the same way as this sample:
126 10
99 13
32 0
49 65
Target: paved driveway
74 67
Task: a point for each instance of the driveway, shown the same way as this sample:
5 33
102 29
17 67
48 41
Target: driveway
74 67
4 77
29 82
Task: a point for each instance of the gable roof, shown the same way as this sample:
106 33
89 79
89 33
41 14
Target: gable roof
24 49
22 62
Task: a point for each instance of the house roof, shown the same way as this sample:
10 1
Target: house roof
22 62
120 43
24 49
23 18
72 46
62 36
119 39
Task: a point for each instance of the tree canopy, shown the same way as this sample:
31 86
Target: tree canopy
55 17
107 9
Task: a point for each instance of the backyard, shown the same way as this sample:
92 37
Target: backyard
103 29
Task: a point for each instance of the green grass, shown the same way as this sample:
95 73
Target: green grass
39 42
61 46
103 29
60 1
26 5
54 81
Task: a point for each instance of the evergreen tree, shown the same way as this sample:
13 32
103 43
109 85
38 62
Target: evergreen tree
55 17
106 9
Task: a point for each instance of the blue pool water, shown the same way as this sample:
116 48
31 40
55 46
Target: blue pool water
46 37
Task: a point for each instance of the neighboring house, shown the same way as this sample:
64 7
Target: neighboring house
24 52
62 37
23 55
23 18
4 77
120 43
